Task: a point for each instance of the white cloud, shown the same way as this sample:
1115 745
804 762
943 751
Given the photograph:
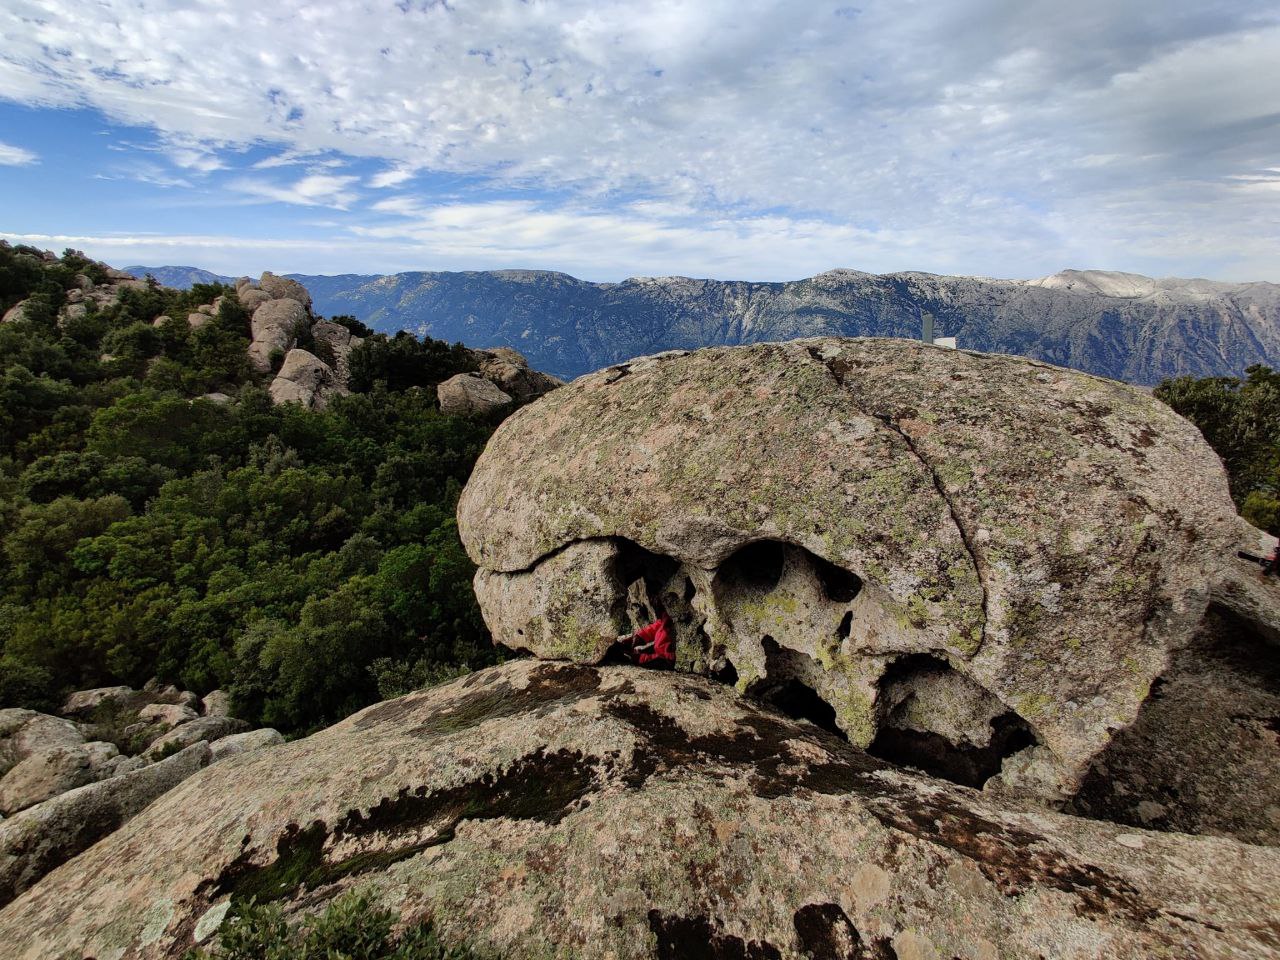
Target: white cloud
315 189
11 156
986 136
391 177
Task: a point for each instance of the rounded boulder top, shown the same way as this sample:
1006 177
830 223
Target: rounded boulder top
854 512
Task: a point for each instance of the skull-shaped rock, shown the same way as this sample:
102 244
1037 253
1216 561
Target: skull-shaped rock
958 556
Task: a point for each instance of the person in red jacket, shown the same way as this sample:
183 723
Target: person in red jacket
654 645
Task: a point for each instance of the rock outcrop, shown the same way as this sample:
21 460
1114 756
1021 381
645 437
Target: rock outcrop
555 810
276 325
306 379
950 553
469 394
509 371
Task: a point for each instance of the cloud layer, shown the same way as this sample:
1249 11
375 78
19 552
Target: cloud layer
981 137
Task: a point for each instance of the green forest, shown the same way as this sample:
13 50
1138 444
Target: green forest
307 562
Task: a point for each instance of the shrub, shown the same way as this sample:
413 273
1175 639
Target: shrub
350 928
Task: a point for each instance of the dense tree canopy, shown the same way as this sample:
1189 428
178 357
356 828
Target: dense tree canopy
308 561
1240 417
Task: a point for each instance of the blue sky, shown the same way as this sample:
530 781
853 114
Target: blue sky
751 139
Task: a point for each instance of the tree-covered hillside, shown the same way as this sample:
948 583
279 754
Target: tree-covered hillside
1240 417
307 561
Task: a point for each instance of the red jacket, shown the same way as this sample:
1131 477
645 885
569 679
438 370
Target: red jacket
661 634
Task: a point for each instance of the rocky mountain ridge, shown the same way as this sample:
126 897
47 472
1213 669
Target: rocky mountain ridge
1118 325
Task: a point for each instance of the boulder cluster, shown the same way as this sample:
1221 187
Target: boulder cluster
503 378
66 781
83 293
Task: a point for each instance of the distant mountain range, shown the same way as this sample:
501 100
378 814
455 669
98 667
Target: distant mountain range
1117 325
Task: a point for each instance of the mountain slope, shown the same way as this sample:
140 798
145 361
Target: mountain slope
180 278
1118 325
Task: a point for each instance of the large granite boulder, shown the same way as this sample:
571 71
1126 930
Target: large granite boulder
1011 549
555 810
306 379
275 325
469 394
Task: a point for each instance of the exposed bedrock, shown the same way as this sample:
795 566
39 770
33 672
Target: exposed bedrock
978 559
551 810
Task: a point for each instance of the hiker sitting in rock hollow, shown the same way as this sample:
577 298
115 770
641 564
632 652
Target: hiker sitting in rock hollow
652 646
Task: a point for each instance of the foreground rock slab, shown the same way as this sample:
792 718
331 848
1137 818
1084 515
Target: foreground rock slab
553 810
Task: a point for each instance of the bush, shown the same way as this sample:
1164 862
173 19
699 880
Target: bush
350 928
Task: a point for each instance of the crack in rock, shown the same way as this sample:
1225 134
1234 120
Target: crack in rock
965 537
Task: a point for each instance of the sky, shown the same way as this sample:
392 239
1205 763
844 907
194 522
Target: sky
737 139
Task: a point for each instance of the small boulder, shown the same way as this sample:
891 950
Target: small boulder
509 371
202 728
114 274
82 282
469 394
166 714
282 288
74 311
244 742
305 378
83 703
217 703
197 320
75 295
161 320
216 397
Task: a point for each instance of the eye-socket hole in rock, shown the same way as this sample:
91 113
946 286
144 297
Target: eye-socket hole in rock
756 567
937 720
838 584
789 685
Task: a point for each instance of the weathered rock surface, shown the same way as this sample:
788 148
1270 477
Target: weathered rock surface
469 394
15 313
202 728
306 379
43 836
252 299
237 743
554 810
841 514
275 327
